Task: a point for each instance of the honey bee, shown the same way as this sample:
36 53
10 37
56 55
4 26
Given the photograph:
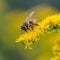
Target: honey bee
29 22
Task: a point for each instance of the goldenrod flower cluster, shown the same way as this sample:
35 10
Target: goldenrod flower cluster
49 23
56 51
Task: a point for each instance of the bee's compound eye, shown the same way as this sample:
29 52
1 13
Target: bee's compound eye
23 27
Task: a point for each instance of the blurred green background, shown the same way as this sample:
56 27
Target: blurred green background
12 14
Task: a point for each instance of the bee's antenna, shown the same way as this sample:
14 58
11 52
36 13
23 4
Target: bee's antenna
30 16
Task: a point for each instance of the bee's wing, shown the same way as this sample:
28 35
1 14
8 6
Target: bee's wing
30 16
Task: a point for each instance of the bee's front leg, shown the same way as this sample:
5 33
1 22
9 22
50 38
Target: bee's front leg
31 26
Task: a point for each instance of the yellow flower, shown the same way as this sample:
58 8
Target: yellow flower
42 26
54 58
56 51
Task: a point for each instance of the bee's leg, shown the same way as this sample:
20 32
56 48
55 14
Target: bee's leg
25 30
28 27
31 26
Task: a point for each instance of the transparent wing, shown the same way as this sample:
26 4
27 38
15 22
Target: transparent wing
30 16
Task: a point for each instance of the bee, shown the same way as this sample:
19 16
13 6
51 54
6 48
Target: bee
29 22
